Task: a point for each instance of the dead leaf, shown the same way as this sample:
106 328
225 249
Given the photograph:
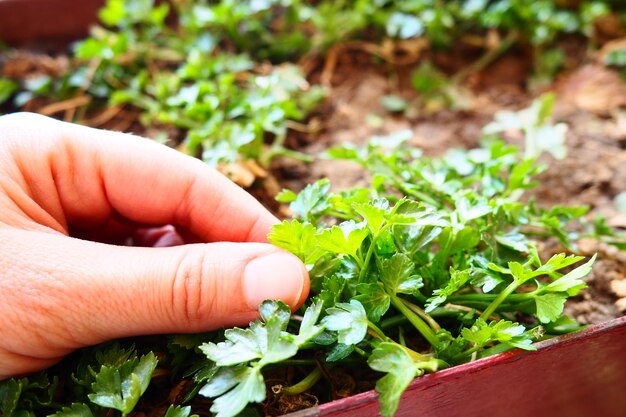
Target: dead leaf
592 88
238 173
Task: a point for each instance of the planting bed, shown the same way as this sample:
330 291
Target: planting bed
370 92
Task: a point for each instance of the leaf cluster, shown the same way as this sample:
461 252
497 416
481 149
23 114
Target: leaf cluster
434 241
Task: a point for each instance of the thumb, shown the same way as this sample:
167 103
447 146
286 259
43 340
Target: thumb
75 293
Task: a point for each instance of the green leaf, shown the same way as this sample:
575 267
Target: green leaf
178 411
278 345
469 211
10 391
308 327
393 103
7 88
393 359
266 342
374 299
373 213
241 346
339 352
550 306
121 387
78 410
458 279
572 282
397 275
248 387
503 331
513 240
342 240
348 320
297 238
286 196
312 201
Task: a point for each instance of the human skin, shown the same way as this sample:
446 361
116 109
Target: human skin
72 196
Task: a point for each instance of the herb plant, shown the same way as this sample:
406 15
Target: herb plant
434 239
437 263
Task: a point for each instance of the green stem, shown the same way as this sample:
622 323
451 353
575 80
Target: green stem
493 350
427 318
370 252
465 356
381 335
488 298
417 322
499 299
304 385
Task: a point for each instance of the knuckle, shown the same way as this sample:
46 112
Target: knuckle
194 287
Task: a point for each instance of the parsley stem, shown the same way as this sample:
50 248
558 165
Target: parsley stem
379 333
499 299
416 321
370 252
420 312
308 382
493 350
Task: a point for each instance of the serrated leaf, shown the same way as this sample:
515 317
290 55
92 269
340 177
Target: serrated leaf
297 238
486 281
10 391
374 299
572 282
458 279
409 212
312 200
280 345
503 331
79 410
265 341
373 214
400 368
241 346
348 320
223 380
178 411
550 306
249 387
341 240
308 327
277 310
397 275
121 387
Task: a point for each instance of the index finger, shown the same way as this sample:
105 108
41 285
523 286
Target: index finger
84 176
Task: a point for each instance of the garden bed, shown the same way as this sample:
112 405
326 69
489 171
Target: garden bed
370 92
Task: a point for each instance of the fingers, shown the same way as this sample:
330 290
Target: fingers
84 177
76 293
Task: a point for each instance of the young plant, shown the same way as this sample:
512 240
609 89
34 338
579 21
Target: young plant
434 241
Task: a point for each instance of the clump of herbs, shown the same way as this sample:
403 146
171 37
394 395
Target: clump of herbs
433 241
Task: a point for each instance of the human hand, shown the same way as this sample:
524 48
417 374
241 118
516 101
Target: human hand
70 196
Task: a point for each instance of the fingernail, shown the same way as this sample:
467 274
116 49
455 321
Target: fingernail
278 276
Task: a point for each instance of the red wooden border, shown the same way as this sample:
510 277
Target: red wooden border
48 21
582 374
